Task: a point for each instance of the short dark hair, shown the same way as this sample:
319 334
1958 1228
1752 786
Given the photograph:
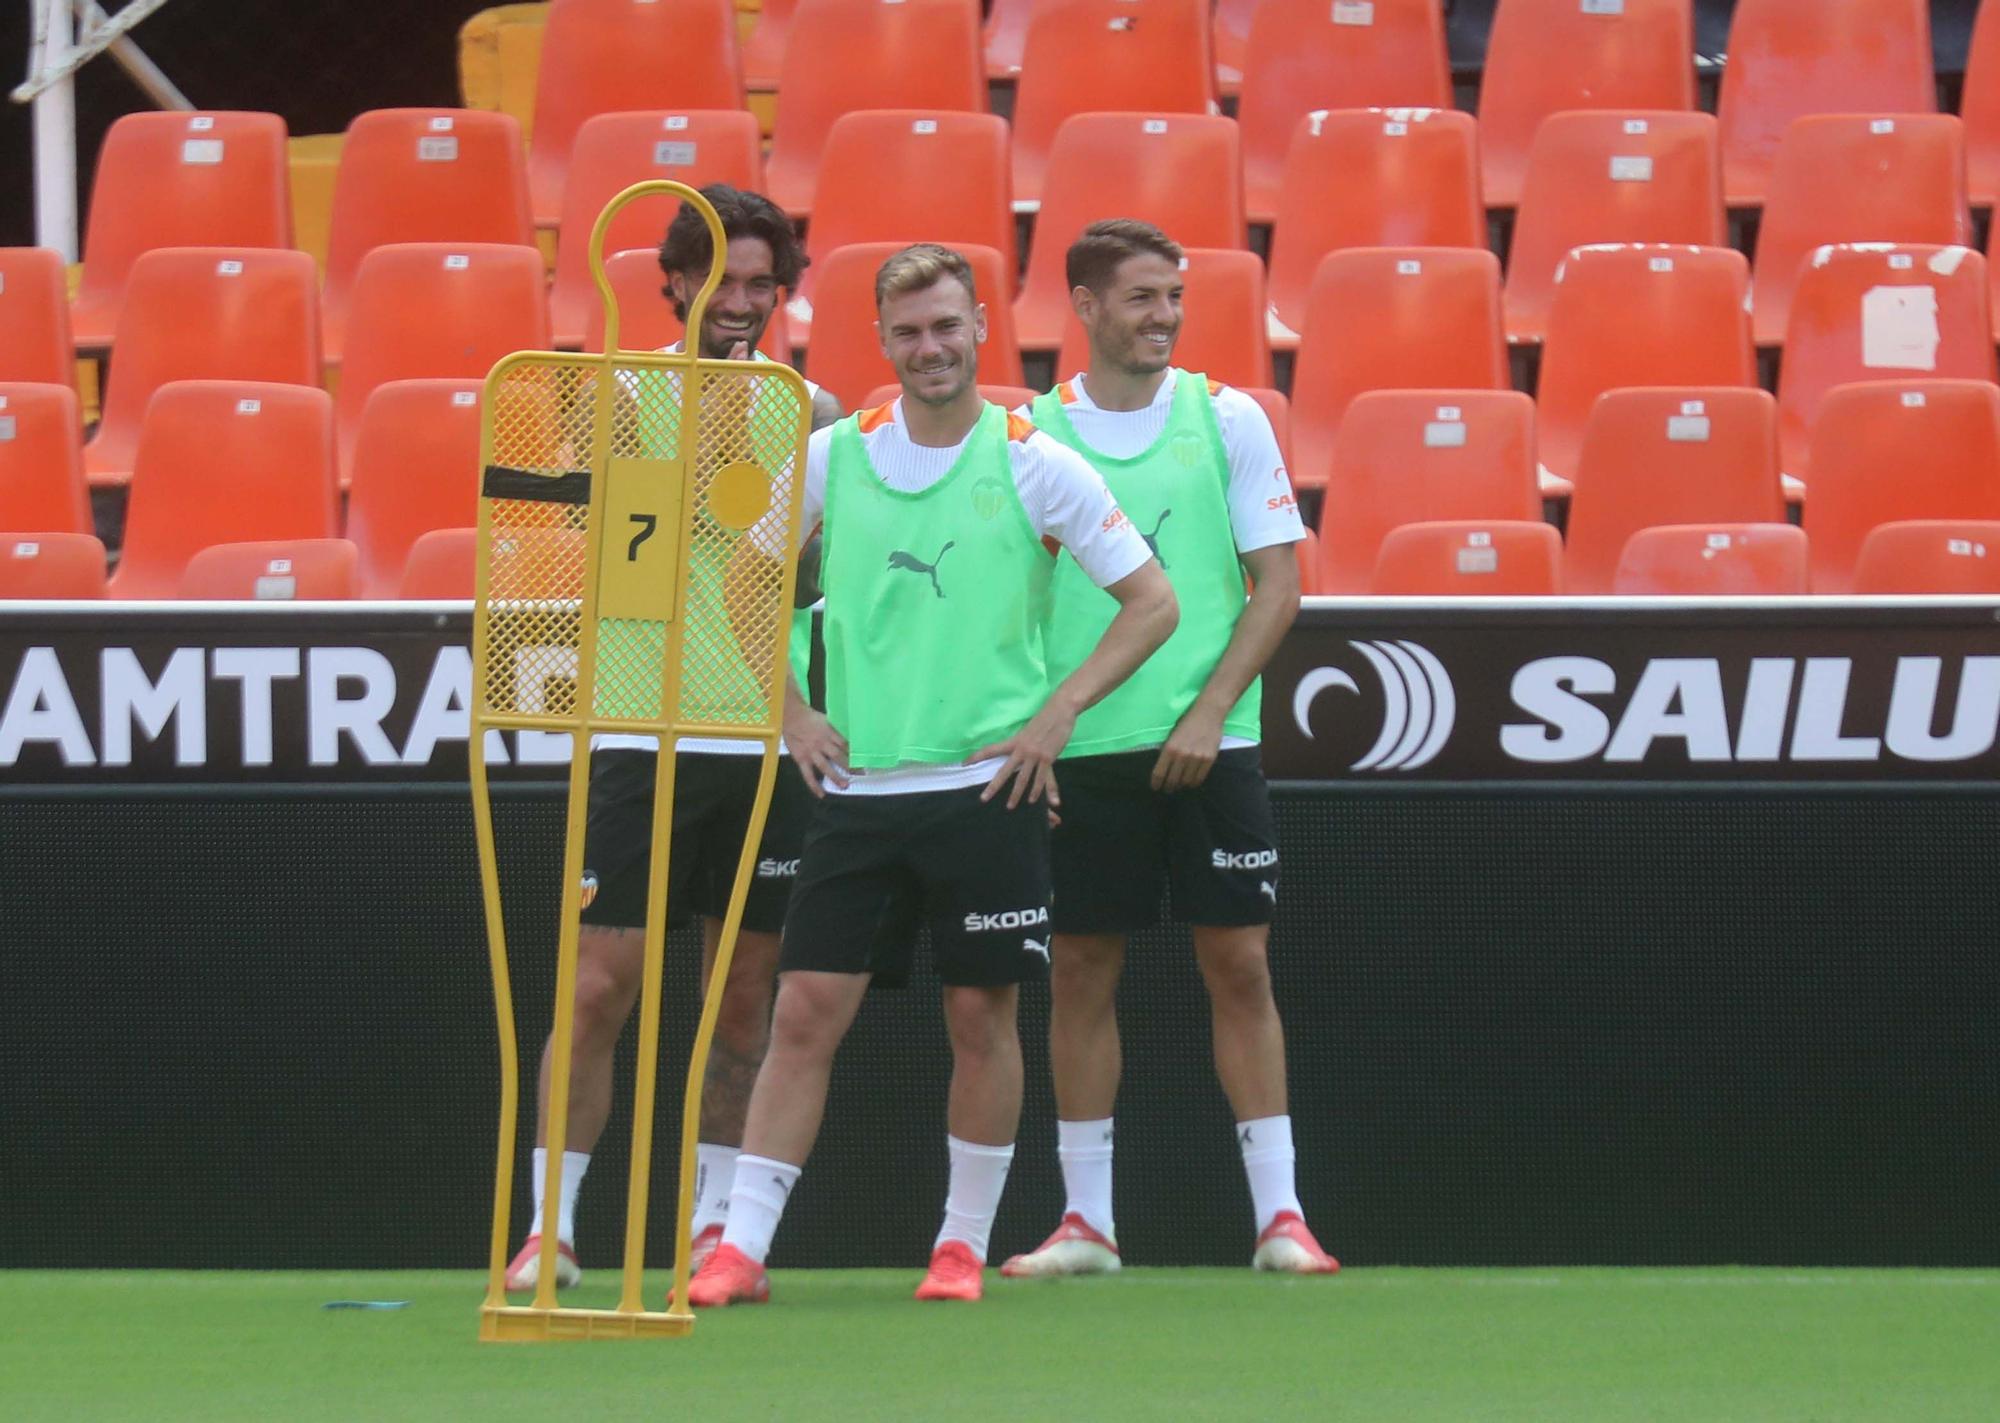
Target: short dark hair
1094 257
686 248
920 267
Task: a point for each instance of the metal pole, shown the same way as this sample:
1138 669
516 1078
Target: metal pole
55 130
143 72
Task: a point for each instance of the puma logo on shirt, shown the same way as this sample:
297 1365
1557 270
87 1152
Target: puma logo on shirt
910 561
1153 539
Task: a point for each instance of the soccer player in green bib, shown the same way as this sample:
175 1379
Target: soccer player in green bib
941 518
1163 786
715 786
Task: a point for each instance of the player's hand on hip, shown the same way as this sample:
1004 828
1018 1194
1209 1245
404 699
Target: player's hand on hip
1190 753
819 750
1030 763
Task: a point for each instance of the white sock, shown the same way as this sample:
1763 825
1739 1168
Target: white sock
978 1175
575 1163
762 1186
714 1178
1085 1151
1268 1162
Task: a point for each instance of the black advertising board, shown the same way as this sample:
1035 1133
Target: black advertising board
1374 691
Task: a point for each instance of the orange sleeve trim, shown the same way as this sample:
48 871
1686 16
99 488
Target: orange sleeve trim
1053 545
1019 427
1215 387
1066 393
870 420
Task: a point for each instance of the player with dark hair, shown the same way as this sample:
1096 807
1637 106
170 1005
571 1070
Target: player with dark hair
715 785
934 758
1163 784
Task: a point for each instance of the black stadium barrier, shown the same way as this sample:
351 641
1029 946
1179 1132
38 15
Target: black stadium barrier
1609 934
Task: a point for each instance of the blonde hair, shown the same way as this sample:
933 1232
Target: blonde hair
918 268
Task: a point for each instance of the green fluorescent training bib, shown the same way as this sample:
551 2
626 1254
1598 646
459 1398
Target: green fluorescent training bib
1176 494
936 604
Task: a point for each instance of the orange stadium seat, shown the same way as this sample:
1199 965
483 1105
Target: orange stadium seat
1544 56
177 180
204 313
1638 315
908 175
34 317
646 320
1307 55
846 357
1609 177
1005 37
867 54
416 468
1011 396
225 462
1855 178
272 570
764 50
1369 178
614 151
1414 456
1979 107
1307 552
1087 56
437 309
1886 451
1181 172
1930 556
1390 318
420 175
1872 311
41 460
610 56
1457 558
1791 58
1669 455
1278 410
1229 42
1222 331
1713 560
51 566
444 563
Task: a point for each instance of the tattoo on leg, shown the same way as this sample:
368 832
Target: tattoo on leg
725 1092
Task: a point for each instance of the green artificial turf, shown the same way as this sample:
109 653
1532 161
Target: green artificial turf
1196 1344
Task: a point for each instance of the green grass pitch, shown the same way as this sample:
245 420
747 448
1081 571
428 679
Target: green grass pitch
1198 1344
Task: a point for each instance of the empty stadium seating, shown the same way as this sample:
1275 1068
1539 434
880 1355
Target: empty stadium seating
1887 451
224 462
866 54
1278 410
1088 56
1369 178
272 570
1181 172
1416 456
1790 58
606 56
34 317
614 151
1678 455
41 461
1307 55
846 357
1461 559
1222 333
764 49
51 566
420 175
1855 178
177 179
415 468
908 175
1638 315
204 313
1612 176
1545 56
1005 37
1930 556
437 309
1980 109
646 320
443 564
1713 560
1382 318
1872 312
